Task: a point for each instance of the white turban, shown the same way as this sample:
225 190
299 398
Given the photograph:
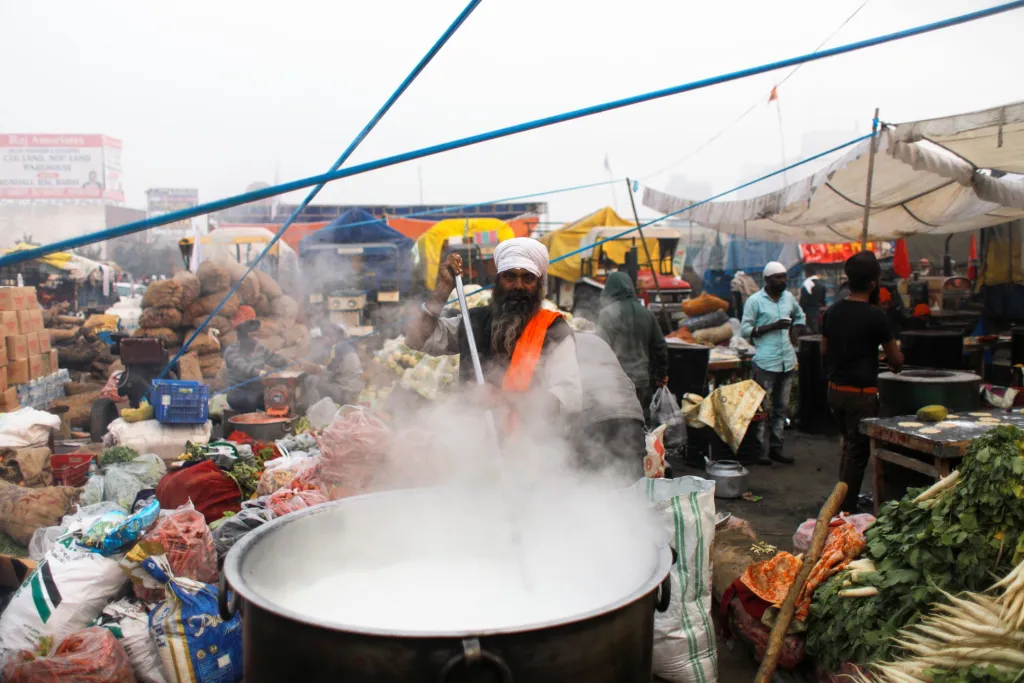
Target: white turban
774 268
522 252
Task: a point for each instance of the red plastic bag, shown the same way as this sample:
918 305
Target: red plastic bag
286 500
211 491
87 656
189 547
352 447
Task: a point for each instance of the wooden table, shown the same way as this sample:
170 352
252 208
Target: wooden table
724 371
934 455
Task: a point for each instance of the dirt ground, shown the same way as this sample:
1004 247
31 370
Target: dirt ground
790 494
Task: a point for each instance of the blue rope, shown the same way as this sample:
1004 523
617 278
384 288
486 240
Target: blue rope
634 229
265 193
704 201
422 64
463 207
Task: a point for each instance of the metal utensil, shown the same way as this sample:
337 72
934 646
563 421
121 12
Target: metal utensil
492 429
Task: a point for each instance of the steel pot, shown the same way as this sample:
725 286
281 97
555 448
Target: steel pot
606 635
730 477
261 426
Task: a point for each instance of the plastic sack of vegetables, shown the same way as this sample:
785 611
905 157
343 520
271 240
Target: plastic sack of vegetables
186 629
307 476
87 656
279 472
129 622
230 530
116 532
63 594
183 538
45 538
92 494
286 501
432 375
351 449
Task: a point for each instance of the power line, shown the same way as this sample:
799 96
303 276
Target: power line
758 102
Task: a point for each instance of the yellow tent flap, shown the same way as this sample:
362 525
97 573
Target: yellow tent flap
570 236
429 244
58 259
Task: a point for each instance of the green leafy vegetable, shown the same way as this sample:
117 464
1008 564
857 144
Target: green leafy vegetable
957 541
117 454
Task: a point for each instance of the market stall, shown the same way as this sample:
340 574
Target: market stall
931 449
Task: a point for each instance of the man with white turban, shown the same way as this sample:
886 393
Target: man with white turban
769 319
522 346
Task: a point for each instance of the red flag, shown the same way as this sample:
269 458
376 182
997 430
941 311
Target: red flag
972 260
774 96
901 260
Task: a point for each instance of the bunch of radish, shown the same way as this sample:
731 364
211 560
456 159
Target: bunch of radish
973 630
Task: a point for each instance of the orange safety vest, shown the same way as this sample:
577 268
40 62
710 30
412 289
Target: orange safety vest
519 375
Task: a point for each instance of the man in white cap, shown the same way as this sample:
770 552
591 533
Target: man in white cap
769 318
522 346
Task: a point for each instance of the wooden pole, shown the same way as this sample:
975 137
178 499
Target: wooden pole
782 621
871 176
647 252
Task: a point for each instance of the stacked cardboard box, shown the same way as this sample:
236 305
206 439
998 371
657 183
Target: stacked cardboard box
26 352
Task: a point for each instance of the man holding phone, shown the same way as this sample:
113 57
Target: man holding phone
770 321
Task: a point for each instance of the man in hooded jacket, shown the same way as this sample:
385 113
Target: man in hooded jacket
635 336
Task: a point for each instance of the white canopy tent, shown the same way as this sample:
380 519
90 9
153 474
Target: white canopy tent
935 176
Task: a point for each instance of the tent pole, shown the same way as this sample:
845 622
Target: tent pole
647 253
871 175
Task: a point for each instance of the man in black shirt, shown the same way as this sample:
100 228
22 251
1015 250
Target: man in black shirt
852 331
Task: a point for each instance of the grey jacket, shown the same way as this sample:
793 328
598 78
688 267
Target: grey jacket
608 393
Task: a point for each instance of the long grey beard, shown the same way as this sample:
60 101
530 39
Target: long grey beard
506 329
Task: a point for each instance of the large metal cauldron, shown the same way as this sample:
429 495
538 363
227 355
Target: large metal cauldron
605 636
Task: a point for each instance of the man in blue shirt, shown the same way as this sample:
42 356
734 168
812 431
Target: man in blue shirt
769 318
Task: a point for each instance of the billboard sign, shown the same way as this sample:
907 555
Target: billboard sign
167 199
839 252
59 167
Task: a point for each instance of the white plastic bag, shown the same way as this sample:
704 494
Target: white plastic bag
129 622
45 538
64 594
322 413
684 637
665 411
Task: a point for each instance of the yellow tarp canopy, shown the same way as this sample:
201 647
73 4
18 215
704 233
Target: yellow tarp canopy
569 237
429 244
58 259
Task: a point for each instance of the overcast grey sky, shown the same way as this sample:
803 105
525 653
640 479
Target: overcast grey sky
216 94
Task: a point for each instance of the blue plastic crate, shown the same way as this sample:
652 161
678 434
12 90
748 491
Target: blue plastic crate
177 401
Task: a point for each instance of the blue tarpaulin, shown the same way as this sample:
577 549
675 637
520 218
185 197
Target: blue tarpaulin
356 226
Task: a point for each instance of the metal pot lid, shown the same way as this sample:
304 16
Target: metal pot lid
260 560
726 467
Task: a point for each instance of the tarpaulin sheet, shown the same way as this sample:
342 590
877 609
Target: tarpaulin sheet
429 244
356 226
571 236
919 186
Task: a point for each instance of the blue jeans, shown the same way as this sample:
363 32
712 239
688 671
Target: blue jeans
777 386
